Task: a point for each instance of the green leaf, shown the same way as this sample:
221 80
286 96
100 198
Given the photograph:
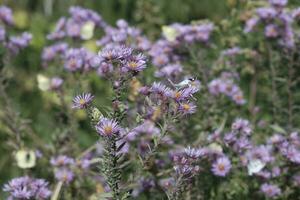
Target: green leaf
277 128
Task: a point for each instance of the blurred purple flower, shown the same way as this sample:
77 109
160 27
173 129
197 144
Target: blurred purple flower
221 166
270 190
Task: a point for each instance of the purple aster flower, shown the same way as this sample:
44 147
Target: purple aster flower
276 171
296 14
161 90
62 160
64 174
82 15
2 33
135 63
242 125
271 31
278 3
27 188
105 69
169 71
43 193
144 90
15 44
221 166
6 15
73 28
147 127
266 13
264 174
270 190
232 51
82 101
238 98
230 138
276 139
58 32
107 127
74 59
83 163
48 53
296 180
143 44
262 152
293 154
242 144
187 108
22 193
160 60
194 153
121 23
111 53
184 94
56 83
250 24
167 183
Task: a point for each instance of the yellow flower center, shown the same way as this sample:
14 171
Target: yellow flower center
108 130
82 101
73 63
186 107
221 167
177 95
132 65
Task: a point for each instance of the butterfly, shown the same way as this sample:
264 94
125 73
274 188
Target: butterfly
183 84
255 166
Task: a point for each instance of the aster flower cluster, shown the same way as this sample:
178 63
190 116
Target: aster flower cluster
154 121
13 43
225 85
74 59
80 25
65 167
62 166
123 34
75 26
182 96
27 188
167 53
270 190
190 33
277 23
121 57
263 161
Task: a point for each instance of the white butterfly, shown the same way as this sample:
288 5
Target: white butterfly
255 166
